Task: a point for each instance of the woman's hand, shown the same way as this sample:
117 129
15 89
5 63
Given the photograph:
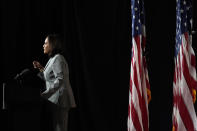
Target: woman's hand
37 65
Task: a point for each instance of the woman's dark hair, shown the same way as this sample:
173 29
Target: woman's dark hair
55 43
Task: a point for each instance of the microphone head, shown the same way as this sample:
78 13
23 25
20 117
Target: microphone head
25 72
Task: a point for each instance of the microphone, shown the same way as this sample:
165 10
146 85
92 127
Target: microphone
23 73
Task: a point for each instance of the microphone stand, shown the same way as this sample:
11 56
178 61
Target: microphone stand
3 107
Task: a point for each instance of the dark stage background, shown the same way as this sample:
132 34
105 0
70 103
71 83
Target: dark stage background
97 42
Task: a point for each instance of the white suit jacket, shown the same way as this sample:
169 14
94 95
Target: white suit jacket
58 88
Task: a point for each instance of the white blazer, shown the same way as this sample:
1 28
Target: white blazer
58 88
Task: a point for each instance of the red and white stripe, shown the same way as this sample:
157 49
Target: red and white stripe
138 101
184 116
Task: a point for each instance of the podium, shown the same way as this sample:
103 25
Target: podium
25 109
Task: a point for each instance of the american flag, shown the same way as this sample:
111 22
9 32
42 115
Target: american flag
184 84
139 91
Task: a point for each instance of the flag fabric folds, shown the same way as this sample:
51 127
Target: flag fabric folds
184 83
139 91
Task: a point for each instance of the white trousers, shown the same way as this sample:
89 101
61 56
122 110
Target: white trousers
59 118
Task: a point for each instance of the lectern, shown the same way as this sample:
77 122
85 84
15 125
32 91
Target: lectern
26 110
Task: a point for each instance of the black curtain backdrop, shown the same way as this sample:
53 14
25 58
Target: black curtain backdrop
97 43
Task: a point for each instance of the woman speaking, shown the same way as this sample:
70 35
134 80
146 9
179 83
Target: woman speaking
58 88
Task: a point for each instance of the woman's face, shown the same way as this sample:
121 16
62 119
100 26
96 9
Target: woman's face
47 47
